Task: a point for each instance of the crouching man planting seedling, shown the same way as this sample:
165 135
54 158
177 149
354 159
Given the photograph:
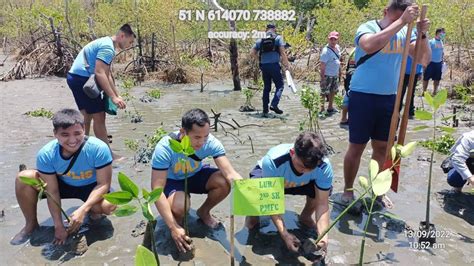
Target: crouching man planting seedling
179 156
70 166
307 172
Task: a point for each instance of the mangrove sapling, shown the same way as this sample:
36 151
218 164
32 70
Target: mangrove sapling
427 229
378 184
184 147
249 94
311 100
79 243
130 191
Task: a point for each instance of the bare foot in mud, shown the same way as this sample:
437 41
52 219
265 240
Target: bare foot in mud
207 219
24 235
251 222
307 221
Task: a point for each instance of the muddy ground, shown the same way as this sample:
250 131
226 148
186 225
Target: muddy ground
112 242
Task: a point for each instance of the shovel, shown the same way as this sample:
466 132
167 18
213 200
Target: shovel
395 115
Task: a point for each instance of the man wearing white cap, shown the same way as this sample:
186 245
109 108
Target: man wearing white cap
330 71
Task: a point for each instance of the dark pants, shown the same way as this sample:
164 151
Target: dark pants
271 72
405 86
455 179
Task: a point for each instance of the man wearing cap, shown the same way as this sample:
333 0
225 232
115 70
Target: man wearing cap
95 58
330 71
270 51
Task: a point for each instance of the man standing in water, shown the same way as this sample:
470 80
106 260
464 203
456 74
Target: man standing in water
308 172
270 51
168 171
95 58
434 69
330 71
379 49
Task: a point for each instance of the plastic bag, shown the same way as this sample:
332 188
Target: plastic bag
290 82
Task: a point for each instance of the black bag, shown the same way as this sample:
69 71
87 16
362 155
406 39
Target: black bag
268 44
90 88
446 164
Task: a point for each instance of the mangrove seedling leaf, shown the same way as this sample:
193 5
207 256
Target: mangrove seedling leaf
428 98
126 184
449 130
423 115
176 146
189 151
388 215
144 257
373 169
30 181
440 98
418 128
393 152
446 118
363 182
381 184
146 210
145 194
118 197
185 142
155 195
125 210
408 149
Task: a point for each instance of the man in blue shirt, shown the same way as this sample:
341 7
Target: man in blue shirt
419 69
95 58
307 172
87 178
168 171
374 83
434 69
269 52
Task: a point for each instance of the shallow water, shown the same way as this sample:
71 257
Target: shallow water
22 136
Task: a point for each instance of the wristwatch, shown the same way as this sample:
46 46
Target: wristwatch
423 35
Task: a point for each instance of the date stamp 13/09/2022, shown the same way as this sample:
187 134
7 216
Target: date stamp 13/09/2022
414 235
236 15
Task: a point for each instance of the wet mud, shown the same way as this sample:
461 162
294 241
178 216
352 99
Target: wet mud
114 242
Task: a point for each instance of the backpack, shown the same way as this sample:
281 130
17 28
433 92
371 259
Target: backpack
268 44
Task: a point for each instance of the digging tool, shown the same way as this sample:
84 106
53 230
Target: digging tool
396 113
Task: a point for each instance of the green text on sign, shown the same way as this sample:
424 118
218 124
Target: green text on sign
259 196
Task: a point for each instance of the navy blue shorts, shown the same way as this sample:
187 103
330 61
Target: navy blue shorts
433 71
306 190
72 192
83 102
370 116
196 183
455 179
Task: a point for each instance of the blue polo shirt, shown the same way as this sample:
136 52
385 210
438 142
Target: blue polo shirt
379 75
100 49
437 48
94 155
273 56
164 158
277 163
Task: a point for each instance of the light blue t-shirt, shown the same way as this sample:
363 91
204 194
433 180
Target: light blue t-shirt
418 70
380 73
273 56
164 158
331 59
437 47
100 49
277 163
94 155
